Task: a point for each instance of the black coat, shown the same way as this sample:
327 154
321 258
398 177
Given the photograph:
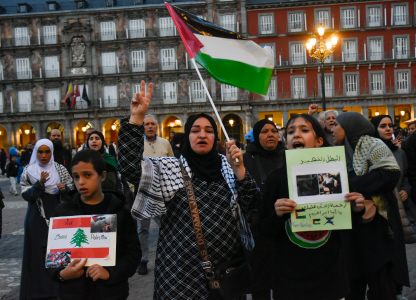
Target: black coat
12 169
62 156
25 158
301 273
380 241
410 149
128 254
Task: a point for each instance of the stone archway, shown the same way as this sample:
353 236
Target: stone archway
3 138
110 130
25 134
80 135
234 126
171 124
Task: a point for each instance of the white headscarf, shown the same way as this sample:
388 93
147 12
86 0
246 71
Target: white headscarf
35 168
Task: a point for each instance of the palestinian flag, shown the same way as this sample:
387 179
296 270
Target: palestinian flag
227 56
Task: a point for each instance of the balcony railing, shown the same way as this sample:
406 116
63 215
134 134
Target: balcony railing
24 107
266 29
198 97
402 20
50 39
138 67
107 36
22 41
52 73
401 54
109 102
348 23
374 22
229 96
169 65
295 27
327 25
109 69
167 31
26 74
134 34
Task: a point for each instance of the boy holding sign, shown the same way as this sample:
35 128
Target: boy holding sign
96 281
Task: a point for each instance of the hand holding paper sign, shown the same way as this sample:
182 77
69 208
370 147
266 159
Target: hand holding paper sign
97 272
74 270
284 206
357 201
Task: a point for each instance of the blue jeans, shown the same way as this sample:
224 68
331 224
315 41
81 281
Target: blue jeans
143 231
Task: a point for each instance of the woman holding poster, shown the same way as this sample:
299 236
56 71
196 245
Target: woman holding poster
43 183
310 264
377 254
223 190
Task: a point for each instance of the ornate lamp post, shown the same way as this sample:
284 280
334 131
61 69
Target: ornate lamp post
321 54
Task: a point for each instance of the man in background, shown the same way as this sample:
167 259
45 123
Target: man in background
26 155
60 154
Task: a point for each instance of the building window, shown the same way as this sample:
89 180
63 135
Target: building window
329 85
138 87
1 103
351 84
350 50
169 92
266 24
137 29
51 66
228 22
298 87
374 16
198 92
24 101
49 34
272 90
400 15
166 27
138 62
401 47
348 17
22 68
168 59
52 100
108 61
22 8
21 36
375 48
402 81
108 31
376 83
229 92
273 46
295 23
297 54
110 96
109 3
323 16
51 6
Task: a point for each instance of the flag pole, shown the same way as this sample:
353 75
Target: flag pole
212 103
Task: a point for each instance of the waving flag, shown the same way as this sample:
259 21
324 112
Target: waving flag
85 95
227 56
69 94
76 94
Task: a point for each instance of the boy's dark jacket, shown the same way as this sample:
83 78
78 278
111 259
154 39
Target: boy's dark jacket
12 169
128 254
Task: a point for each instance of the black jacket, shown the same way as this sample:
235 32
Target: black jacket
128 254
62 156
25 158
12 169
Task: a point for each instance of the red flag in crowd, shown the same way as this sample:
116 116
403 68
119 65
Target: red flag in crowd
76 94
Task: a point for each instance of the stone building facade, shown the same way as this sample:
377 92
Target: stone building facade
105 50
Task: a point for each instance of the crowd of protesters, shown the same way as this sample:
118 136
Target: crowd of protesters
242 203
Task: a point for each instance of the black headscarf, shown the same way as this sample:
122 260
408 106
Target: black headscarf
355 126
102 149
205 167
376 121
257 128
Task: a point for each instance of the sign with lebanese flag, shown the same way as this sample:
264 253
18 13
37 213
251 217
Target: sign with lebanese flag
88 236
227 56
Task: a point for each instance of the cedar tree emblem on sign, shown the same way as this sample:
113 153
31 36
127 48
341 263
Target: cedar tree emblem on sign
78 238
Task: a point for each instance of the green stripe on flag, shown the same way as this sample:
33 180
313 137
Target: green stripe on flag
236 73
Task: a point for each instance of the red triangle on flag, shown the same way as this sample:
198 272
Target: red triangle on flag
192 43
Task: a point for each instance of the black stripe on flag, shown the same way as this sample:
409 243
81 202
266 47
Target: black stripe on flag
199 26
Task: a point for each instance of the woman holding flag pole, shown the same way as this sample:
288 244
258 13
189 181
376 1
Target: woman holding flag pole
223 191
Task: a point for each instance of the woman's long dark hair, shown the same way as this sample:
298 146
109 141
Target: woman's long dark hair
319 131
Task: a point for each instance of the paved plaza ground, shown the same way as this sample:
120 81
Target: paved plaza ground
141 287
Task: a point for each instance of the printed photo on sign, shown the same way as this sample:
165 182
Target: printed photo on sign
103 223
58 259
319 183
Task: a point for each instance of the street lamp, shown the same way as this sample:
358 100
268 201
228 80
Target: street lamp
321 54
231 121
27 131
113 127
